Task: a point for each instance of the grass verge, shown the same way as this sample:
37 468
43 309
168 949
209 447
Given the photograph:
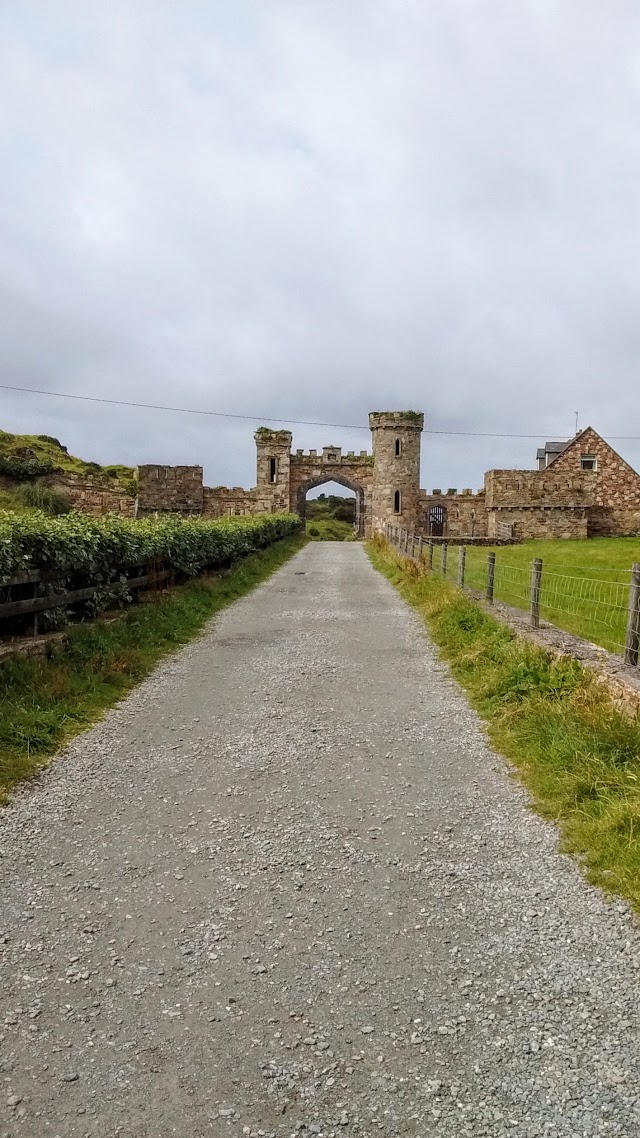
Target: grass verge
45 700
577 754
330 529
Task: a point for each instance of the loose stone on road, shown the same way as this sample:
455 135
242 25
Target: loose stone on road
285 888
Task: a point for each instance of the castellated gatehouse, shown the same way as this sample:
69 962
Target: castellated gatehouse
578 488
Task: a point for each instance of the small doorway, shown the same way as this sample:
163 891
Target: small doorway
437 521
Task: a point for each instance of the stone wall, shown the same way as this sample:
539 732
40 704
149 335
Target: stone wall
224 501
464 513
91 495
537 523
510 489
170 489
94 496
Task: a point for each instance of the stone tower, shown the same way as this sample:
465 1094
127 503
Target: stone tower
274 474
396 468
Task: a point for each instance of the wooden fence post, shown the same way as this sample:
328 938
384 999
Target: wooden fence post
536 583
462 558
632 643
491 576
430 557
445 550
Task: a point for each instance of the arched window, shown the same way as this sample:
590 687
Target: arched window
397 502
398 447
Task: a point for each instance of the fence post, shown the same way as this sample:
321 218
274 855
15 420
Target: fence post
536 582
420 548
445 550
430 556
491 576
632 643
462 557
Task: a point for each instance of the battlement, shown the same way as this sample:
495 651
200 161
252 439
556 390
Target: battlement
453 493
331 456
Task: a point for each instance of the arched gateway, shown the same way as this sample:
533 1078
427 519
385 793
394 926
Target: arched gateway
362 500
386 483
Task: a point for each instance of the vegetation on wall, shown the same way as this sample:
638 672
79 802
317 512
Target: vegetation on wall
576 752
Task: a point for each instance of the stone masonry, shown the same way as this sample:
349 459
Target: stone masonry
386 482
581 488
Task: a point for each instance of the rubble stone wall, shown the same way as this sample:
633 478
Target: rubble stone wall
170 489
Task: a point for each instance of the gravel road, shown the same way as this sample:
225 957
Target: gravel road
285 888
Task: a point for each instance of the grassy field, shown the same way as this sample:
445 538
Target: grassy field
578 755
330 529
585 584
44 700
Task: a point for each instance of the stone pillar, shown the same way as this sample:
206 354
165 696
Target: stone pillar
273 453
396 468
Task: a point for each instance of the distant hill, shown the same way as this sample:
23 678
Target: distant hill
25 457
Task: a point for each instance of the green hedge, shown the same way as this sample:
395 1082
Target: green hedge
103 547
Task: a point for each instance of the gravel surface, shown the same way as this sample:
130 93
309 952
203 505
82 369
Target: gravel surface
285 888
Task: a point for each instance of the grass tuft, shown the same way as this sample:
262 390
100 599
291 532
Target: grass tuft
576 752
45 700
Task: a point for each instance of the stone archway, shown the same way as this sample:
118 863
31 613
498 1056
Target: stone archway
342 480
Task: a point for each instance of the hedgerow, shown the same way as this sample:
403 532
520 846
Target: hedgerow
101 547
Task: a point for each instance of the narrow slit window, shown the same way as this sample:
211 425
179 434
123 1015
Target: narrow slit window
273 469
397 502
398 447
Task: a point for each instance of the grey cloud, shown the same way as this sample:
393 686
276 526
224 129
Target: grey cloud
310 210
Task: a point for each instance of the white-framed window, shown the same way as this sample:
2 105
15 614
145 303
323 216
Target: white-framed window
398 447
273 470
588 462
397 502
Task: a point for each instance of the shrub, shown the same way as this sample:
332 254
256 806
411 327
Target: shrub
313 531
43 498
23 469
102 547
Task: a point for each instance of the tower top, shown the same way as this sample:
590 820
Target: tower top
392 420
267 435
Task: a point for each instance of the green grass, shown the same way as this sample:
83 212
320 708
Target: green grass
584 583
49 450
46 700
330 529
575 751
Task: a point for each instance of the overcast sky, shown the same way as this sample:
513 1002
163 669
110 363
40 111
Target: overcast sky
309 209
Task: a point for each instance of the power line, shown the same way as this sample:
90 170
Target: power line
270 419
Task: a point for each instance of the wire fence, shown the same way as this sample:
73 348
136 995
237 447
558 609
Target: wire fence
600 604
